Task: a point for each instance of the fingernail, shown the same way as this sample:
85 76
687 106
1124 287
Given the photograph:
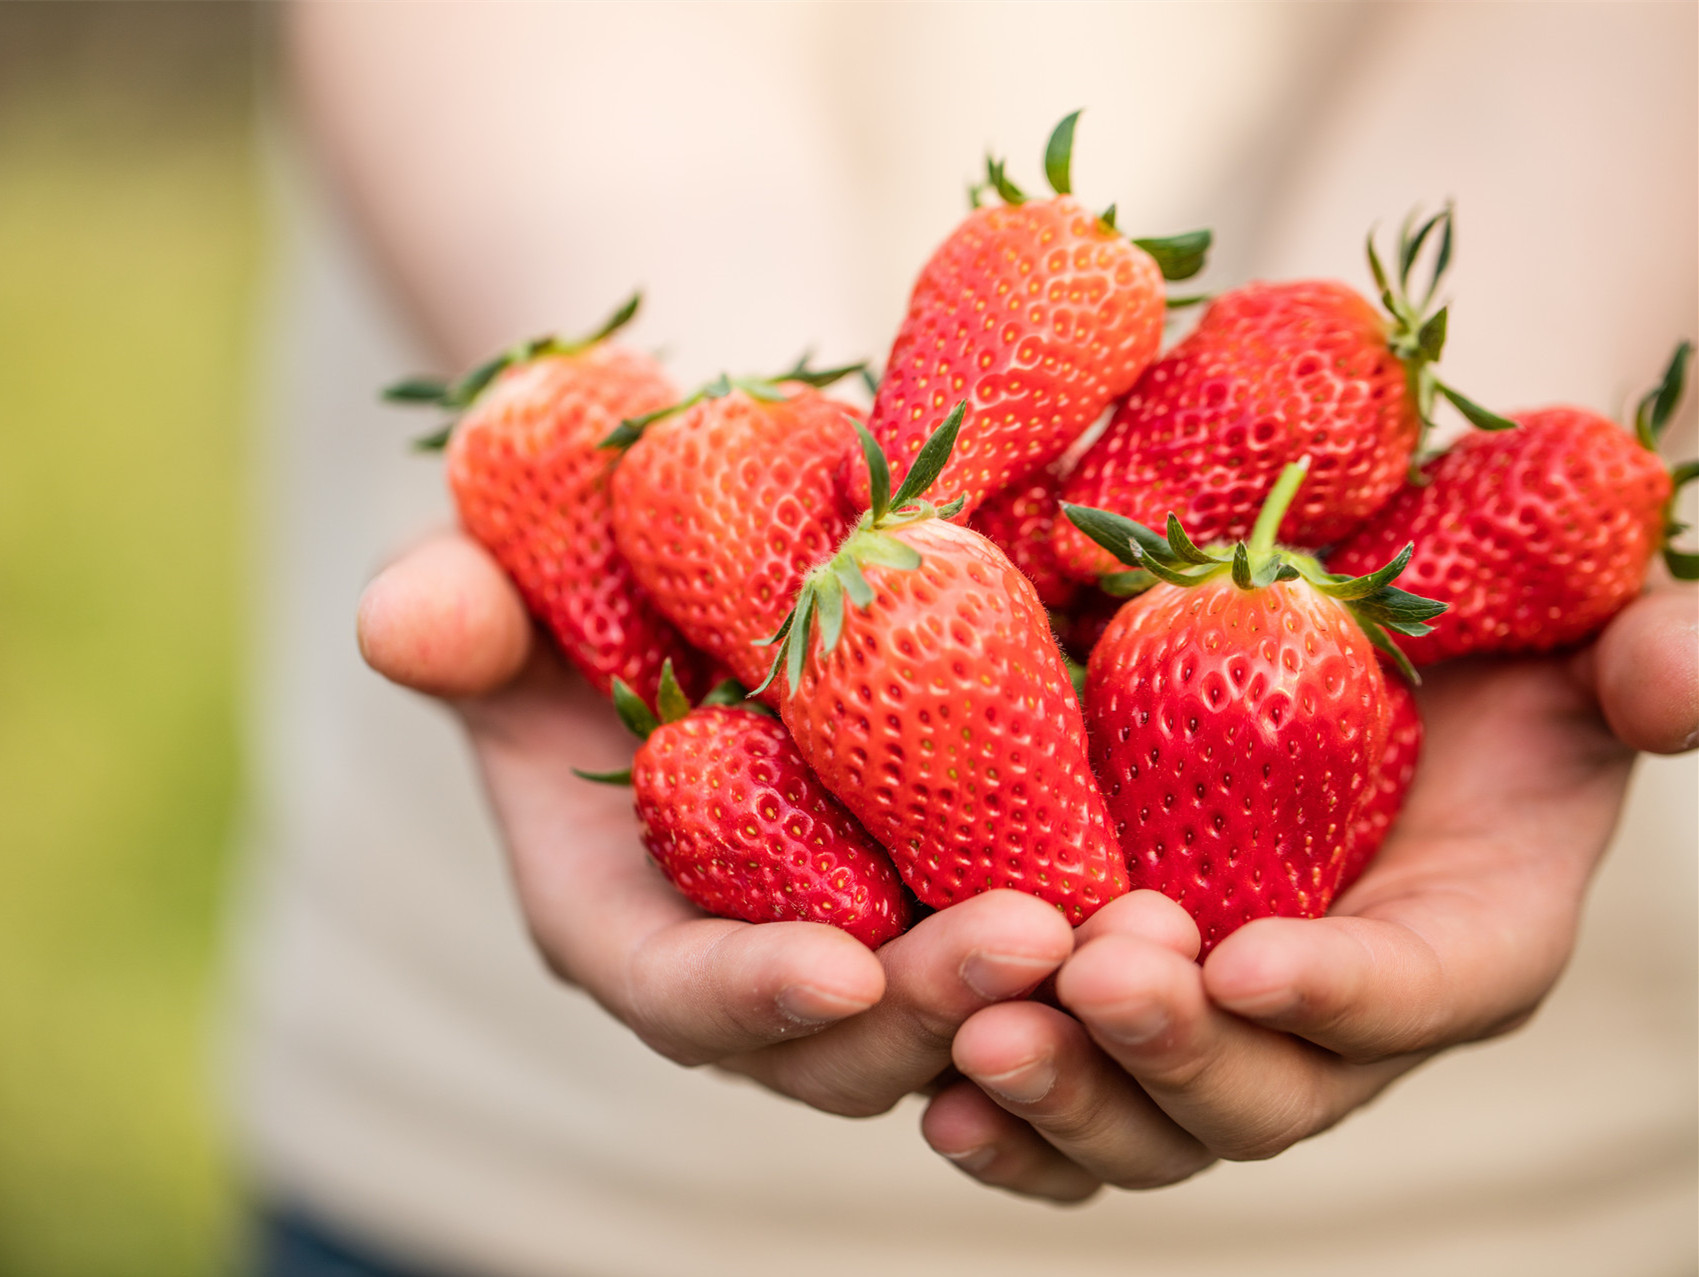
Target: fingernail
1133 1024
808 1005
1026 1085
995 976
974 1160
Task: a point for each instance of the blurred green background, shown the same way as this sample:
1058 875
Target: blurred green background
129 238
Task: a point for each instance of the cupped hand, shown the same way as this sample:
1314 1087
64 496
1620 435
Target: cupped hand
1457 931
801 1007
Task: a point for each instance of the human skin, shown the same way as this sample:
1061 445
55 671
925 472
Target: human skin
1157 1067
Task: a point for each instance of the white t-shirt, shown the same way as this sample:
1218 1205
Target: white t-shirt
403 1067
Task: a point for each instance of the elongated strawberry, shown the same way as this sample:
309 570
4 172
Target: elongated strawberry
722 506
531 486
1392 781
937 707
1019 521
1271 373
741 827
1238 716
1040 313
1537 535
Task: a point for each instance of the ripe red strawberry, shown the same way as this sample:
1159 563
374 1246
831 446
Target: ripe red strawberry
742 828
722 508
1040 313
1271 373
1537 535
1392 782
938 709
531 486
1238 717
1019 521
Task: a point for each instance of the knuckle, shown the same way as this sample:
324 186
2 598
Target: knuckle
933 1027
1080 1121
841 1100
822 1083
1299 1118
1176 1171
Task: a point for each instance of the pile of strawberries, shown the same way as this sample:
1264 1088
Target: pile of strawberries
885 616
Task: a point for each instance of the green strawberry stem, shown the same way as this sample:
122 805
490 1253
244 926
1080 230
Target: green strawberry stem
1261 546
1373 601
672 704
821 596
763 389
460 395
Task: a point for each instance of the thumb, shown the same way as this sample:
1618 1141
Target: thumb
1644 669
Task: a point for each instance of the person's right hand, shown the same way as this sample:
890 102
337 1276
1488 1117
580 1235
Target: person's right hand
801 1007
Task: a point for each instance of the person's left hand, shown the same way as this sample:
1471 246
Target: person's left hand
1456 933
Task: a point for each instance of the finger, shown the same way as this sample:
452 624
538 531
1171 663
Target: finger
996 946
1372 987
444 620
1149 914
1241 1090
995 1148
706 989
1645 671
1040 1065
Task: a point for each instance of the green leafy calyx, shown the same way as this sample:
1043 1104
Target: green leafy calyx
1651 417
671 704
821 599
763 389
458 396
1418 331
1178 256
1373 601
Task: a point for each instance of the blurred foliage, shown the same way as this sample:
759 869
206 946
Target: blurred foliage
128 247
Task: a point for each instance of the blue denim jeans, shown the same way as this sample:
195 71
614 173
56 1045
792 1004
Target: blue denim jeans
288 1243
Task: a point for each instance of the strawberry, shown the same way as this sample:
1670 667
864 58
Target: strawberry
936 705
1392 781
1238 715
722 505
531 486
741 827
1273 372
1019 521
1536 535
1041 313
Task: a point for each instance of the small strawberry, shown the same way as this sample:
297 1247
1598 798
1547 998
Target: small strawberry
1536 535
1019 521
1273 372
1238 715
937 707
1038 311
1392 781
723 504
531 486
741 827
